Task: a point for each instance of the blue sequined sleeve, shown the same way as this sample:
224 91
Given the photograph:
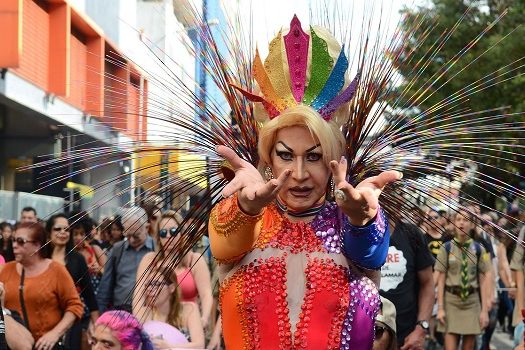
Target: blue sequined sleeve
367 246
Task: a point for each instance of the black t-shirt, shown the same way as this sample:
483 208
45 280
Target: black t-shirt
433 244
407 255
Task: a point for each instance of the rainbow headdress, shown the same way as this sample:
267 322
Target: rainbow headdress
283 80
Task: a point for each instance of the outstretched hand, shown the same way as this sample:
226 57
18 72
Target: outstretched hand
360 203
254 192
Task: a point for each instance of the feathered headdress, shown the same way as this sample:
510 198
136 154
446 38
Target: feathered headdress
387 128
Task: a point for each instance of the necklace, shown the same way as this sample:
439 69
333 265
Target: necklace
299 214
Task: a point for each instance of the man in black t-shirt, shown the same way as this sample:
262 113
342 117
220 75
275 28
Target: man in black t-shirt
406 280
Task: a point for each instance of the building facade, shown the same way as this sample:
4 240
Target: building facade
65 88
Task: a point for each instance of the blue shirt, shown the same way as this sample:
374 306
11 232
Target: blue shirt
121 270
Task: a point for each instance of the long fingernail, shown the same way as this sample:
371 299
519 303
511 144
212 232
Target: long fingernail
343 159
400 175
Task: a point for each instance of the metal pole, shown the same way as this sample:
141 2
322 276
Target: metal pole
70 170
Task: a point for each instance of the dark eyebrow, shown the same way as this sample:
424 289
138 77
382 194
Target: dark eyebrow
312 148
291 150
285 146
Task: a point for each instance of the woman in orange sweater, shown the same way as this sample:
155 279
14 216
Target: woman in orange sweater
51 300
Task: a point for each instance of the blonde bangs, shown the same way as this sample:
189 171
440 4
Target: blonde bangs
327 133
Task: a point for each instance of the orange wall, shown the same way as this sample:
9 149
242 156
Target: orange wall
59 50
133 108
78 82
11 28
59 17
94 76
116 94
34 61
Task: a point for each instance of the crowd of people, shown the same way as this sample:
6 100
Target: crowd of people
459 267
63 278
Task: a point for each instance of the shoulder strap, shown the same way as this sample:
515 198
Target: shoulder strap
21 296
448 247
477 246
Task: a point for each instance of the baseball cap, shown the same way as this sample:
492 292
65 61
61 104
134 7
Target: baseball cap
387 315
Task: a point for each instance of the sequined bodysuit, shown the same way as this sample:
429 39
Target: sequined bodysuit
296 289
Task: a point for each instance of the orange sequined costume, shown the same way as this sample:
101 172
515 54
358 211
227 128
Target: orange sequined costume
293 285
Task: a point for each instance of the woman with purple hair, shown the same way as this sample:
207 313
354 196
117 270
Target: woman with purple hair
119 330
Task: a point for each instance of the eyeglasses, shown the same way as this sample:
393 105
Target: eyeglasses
21 241
379 331
163 233
60 228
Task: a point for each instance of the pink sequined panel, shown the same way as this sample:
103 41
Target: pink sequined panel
324 307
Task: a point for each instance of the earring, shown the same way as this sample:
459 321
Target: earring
332 187
268 174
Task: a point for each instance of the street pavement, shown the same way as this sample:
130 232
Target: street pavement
501 341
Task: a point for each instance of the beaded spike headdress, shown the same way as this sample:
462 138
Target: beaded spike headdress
283 81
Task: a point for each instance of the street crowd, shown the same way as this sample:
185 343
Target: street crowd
69 282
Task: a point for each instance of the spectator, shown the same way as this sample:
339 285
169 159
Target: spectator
6 248
118 281
385 327
119 330
57 228
509 260
487 234
153 207
517 266
51 302
463 268
116 230
28 214
101 235
434 227
171 323
95 258
406 280
433 231
17 336
192 272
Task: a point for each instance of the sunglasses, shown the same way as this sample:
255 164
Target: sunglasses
156 284
60 228
379 331
163 233
21 241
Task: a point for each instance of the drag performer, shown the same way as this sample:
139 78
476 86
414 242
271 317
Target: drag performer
300 247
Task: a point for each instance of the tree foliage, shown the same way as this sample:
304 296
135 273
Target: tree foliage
496 59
